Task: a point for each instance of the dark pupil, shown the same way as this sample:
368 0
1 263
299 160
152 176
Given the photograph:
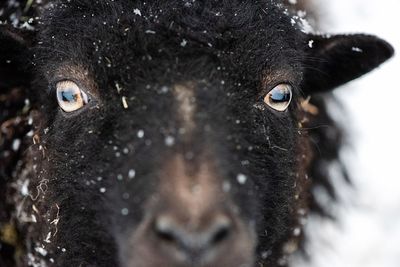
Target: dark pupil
280 96
69 96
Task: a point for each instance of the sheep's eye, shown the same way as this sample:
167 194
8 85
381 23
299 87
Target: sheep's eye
279 97
70 97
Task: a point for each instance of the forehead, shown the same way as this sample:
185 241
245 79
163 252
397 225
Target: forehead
170 36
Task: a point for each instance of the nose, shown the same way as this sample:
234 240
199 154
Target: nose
194 241
190 222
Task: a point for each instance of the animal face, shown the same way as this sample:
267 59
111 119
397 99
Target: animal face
170 133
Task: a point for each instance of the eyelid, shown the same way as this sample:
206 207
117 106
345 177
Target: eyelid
268 87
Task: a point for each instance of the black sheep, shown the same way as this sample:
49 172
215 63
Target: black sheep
165 133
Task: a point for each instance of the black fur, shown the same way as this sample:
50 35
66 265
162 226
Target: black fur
235 52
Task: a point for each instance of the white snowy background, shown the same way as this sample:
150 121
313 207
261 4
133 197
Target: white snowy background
368 231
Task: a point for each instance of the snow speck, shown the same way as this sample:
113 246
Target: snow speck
140 134
305 26
164 89
226 186
169 141
27 26
47 240
310 43
124 211
297 231
183 43
293 2
137 12
16 144
266 254
24 188
119 88
124 102
241 178
102 190
41 251
356 49
131 174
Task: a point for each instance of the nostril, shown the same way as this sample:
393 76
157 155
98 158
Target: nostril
165 230
166 236
221 233
211 234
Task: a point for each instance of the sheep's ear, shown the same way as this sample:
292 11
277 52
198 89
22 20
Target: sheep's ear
335 60
15 56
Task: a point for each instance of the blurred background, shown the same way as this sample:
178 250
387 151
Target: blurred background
367 233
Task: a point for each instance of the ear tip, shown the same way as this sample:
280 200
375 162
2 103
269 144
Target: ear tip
379 49
345 58
385 48
388 49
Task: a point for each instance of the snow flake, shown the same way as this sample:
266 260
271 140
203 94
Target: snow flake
305 26
131 174
27 26
226 186
124 102
266 254
184 43
124 211
169 141
41 251
241 178
24 188
140 134
297 231
47 240
356 49
137 12
119 88
164 89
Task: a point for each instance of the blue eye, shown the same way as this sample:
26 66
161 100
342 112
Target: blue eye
279 97
70 97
